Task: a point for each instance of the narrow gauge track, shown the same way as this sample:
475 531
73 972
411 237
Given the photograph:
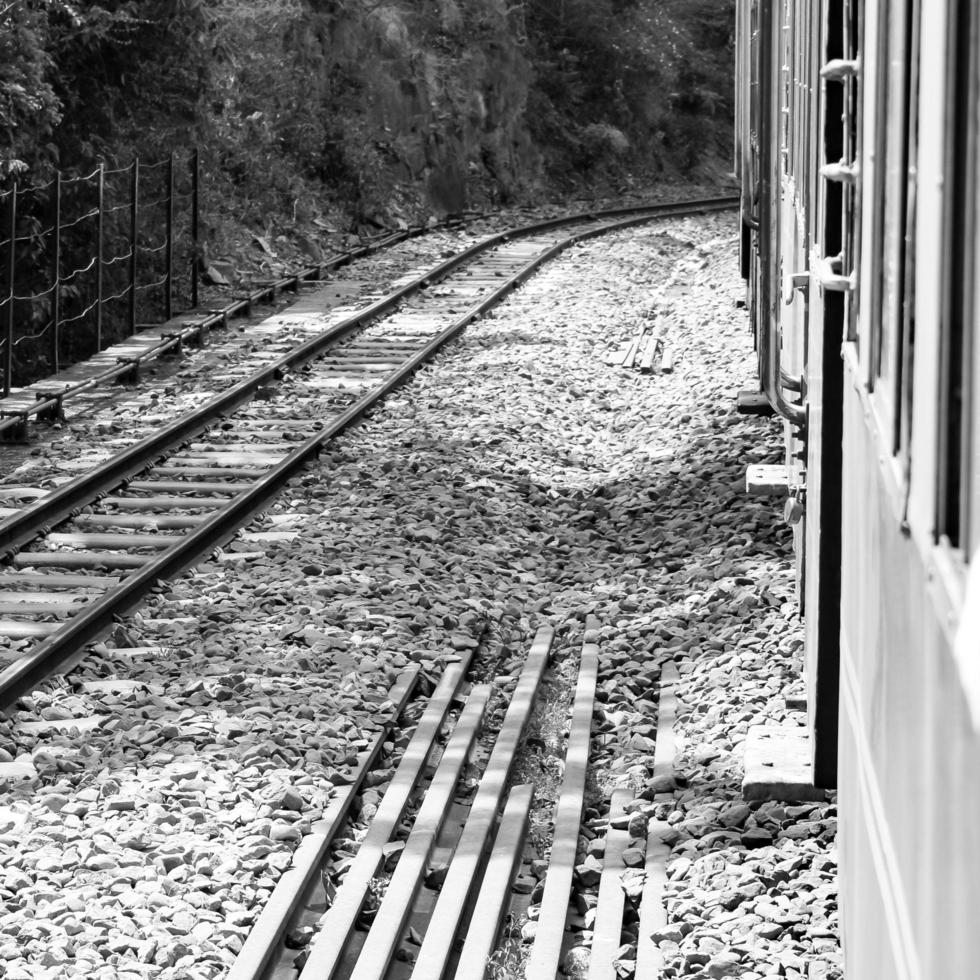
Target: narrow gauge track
78 556
426 893
124 362
435 863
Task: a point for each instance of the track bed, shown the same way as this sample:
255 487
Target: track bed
520 481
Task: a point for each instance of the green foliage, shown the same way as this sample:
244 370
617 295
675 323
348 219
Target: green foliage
293 99
660 71
81 81
29 109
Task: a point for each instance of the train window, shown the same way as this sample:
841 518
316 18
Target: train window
892 297
845 199
958 490
787 137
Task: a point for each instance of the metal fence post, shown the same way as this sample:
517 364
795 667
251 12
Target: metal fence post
133 239
98 260
195 228
8 354
168 303
56 299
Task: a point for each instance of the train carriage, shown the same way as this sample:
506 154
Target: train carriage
858 151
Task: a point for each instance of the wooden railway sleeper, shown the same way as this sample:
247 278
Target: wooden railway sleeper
53 409
176 348
164 522
130 375
17 432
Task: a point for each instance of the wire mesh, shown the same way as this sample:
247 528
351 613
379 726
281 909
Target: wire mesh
73 248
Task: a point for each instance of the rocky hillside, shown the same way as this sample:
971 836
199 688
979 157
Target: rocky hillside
376 110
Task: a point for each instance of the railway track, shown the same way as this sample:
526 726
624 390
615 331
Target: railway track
426 893
307 758
124 362
80 555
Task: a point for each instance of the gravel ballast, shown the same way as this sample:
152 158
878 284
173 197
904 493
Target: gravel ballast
517 480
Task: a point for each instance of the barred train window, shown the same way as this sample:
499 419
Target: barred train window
958 483
892 301
785 87
852 19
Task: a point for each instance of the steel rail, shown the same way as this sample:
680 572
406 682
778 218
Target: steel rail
65 645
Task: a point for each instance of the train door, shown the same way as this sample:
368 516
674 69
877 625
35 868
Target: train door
832 193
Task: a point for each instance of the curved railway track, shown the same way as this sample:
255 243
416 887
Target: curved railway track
78 556
45 400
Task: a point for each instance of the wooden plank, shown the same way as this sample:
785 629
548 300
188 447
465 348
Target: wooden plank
630 357
650 354
217 472
666 742
223 459
55 598
165 522
22 493
77 559
377 361
209 487
546 951
267 932
271 423
763 480
464 869
163 502
53 580
327 950
607 931
396 906
23 607
258 447
118 542
653 908
495 886
14 629
614 358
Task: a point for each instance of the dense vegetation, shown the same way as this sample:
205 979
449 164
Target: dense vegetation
379 105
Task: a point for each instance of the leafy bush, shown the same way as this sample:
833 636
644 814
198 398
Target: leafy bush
660 71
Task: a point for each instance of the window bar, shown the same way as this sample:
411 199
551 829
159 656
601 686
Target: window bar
8 354
98 260
133 235
56 298
195 228
168 301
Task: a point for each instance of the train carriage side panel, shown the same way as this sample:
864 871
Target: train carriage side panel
881 680
910 738
909 793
